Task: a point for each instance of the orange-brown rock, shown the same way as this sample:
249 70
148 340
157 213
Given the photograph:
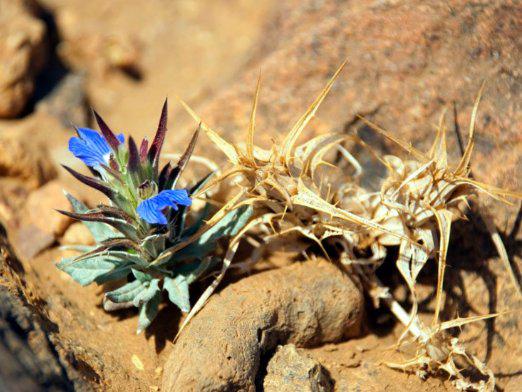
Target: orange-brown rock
77 234
306 304
24 160
41 209
406 62
23 52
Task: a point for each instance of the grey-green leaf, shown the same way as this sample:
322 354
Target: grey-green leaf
192 271
120 272
141 276
228 226
148 312
154 245
126 293
128 257
88 270
147 294
178 290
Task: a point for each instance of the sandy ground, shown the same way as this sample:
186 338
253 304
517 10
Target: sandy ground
195 50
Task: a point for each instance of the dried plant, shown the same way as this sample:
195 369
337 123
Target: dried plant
295 190
147 219
427 194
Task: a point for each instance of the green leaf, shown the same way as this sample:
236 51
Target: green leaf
193 271
228 226
100 231
178 290
88 270
201 183
126 293
177 226
78 248
141 276
199 221
154 245
125 228
117 273
131 258
148 312
151 288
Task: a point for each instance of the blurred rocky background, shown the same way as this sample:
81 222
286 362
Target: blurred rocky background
407 61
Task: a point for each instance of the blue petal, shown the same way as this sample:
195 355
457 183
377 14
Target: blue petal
91 147
177 197
150 210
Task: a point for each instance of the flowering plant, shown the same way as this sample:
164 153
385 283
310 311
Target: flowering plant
142 235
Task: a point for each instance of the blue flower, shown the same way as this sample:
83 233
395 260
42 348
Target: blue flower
91 147
151 209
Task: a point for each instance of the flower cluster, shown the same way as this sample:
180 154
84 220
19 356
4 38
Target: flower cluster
142 235
118 166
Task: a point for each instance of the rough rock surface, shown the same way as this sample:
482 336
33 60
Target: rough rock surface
23 159
42 205
29 359
406 62
24 166
77 234
30 240
67 101
23 52
98 50
290 371
306 304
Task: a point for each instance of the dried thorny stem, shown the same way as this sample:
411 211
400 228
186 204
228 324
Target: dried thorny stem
295 190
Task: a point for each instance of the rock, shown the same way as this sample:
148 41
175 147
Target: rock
67 101
290 371
30 360
90 47
23 52
24 159
30 241
13 195
77 234
306 304
427 53
42 205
